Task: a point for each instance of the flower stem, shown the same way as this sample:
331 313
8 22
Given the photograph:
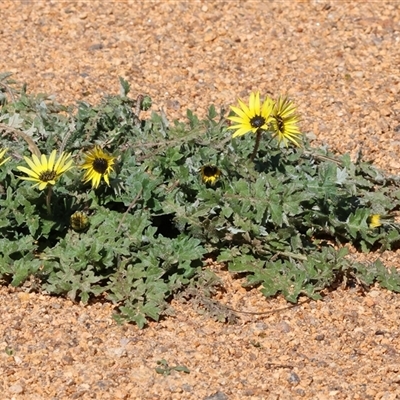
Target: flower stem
48 198
256 144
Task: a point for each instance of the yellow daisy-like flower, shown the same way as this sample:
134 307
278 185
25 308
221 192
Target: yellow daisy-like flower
45 171
2 152
253 118
98 164
210 174
284 122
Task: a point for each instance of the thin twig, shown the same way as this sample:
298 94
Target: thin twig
275 365
31 144
138 107
9 91
271 311
322 157
65 140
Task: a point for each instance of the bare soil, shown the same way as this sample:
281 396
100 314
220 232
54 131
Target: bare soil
339 61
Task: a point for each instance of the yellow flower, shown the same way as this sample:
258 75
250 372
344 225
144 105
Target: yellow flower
98 164
210 174
45 171
377 220
253 118
284 121
2 152
79 221
374 221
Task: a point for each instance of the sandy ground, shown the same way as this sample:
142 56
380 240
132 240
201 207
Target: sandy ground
339 61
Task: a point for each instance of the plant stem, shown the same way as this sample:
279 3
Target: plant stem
31 144
256 144
48 198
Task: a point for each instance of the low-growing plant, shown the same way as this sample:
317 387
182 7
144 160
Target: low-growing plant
95 200
165 369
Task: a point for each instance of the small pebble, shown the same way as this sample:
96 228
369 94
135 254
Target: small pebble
217 396
17 389
293 378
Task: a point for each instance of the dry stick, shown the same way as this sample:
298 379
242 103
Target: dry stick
271 311
9 91
139 100
64 142
224 306
31 144
275 365
322 157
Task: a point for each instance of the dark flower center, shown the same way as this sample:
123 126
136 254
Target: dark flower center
47 176
100 165
280 123
257 122
210 171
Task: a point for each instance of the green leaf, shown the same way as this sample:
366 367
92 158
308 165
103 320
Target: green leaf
125 87
182 368
282 220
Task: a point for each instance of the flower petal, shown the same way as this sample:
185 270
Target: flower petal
50 163
43 185
240 132
35 160
28 171
241 114
44 163
246 109
239 120
105 176
32 165
256 103
27 178
267 108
